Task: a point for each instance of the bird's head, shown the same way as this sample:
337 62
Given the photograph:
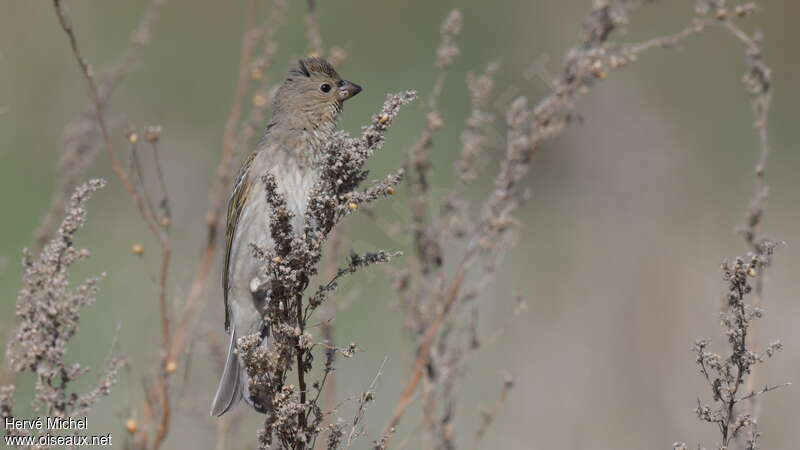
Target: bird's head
313 92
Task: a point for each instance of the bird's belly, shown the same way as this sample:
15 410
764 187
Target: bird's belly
253 228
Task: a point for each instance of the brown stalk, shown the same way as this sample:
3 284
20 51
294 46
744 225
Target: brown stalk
585 64
217 194
424 353
490 414
77 153
216 199
301 372
755 212
146 213
313 30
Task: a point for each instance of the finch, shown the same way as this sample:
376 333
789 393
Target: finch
304 116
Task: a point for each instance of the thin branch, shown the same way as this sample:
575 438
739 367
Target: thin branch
80 136
528 128
312 29
489 415
150 220
423 356
366 398
764 390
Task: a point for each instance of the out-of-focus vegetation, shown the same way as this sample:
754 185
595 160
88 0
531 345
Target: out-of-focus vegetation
629 217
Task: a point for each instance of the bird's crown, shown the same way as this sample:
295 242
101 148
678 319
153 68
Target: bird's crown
315 66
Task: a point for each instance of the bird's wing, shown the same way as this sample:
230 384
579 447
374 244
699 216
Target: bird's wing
242 188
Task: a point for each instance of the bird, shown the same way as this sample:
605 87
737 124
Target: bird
305 111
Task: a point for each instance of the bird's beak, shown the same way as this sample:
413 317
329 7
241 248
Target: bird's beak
348 89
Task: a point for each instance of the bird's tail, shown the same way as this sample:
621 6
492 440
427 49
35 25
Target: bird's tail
229 392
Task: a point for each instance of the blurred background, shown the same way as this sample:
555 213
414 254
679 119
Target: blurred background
631 211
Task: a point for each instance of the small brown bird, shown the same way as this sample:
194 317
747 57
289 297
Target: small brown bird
304 116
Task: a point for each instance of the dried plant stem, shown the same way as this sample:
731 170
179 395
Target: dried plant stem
167 218
48 309
136 169
489 415
333 254
670 40
315 41
727 375
428 251
759 84
301 376
79 136
259 68
140 38
150 220
428 256
217 194
94 95
313 30
726 412
528 128
424 355
333 250
223 427
294 417
216 204
366 398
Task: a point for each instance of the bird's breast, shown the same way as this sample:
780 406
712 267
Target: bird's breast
295 184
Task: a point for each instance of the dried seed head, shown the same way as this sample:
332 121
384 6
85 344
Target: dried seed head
435 120
171 367
744 10
259 100
337 56
131 426
152 133
597 70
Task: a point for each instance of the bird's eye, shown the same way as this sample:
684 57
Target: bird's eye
325 87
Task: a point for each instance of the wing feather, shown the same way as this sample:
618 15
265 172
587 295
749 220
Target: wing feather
241 190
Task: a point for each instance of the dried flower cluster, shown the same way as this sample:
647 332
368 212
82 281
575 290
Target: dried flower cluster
81 140
48 310
439 287
436 293
727 375
293 417
440 294
733 378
